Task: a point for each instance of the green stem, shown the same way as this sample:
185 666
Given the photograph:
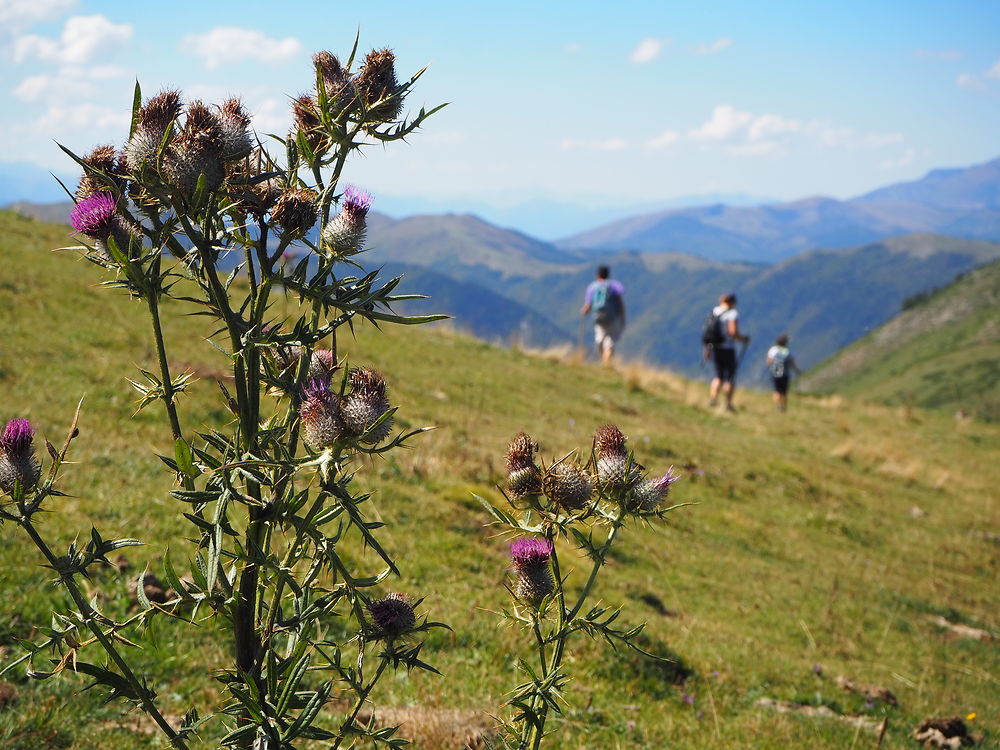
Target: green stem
362 697
165 379
87 613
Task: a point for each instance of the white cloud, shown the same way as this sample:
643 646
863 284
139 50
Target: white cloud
664 139
747 134
717 46
85 117
725 123
230 44
648 50
608 144
68 83
968 81
83 39
993 72
903 161
20 14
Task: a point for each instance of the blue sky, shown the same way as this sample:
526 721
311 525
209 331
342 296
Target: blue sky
585 103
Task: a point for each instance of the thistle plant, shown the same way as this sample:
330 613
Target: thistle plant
566 504
195 209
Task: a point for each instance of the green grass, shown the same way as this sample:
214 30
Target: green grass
802 550
941 353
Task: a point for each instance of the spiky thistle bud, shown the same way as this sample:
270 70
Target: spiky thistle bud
649 493
612 458
568 486
103 159
308 122
392 617
530 557
365 405
153 119
523 475
295 210
322 365
196 151
235 124
344 234
320 414
17 456
340 90
377 84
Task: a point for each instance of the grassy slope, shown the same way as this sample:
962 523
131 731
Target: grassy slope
802 550
943 353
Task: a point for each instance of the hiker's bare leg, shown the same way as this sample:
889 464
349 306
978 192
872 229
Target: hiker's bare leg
713 390
606 353
727 389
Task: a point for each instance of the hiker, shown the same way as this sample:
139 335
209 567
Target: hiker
721 332
781 363
606 297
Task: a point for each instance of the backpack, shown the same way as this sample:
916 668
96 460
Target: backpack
778 360
712 333
606 303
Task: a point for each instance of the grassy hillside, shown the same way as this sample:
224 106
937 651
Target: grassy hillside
825 541
942 353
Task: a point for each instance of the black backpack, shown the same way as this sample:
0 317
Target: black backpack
711 332
607 304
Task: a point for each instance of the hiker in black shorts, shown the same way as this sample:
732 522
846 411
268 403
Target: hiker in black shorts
781 364
721 349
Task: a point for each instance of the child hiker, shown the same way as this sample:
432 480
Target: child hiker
781 364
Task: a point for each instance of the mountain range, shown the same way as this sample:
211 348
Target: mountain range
504 285
961 202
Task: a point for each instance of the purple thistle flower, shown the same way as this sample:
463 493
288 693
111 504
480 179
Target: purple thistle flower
320 414
530 551
392 616
356 199
651 492
17 457
687 698
531 561
344 234
94 216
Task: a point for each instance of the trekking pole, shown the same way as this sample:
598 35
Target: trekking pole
580 335
743 351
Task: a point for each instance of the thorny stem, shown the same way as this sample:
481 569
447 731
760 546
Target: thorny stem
88 614
565 621
362 697
165 379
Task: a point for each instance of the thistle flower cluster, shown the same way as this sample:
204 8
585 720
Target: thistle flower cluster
18 465
530 559
372 98
97 217
572 488
328 417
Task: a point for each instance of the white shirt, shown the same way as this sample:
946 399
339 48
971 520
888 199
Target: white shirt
725 315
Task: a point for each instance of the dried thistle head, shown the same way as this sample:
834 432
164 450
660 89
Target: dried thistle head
613 465
340 91
344 234
377 85
320 415
568 486
195 151
235 125
104 159
153 119
365 405
295 210
530 558
650 493
392 617
307 121
523 475
17 456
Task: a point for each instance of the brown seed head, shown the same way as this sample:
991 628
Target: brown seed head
104 159
295 210
235 124
608 441
377 82
307 120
